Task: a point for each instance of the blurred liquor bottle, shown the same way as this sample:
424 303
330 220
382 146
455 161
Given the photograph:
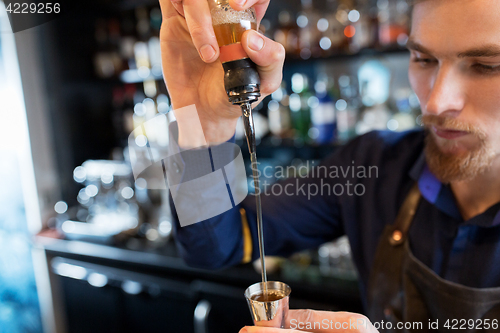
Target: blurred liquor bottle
342 15
332 38
375 115
347 107
287 33
309 35
407 110
107 61
323 119
299 106
278 113
394 20
127 41
143 24
365 26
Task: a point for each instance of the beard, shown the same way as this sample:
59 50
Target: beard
449 164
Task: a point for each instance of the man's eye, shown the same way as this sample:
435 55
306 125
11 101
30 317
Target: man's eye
486 69
424 61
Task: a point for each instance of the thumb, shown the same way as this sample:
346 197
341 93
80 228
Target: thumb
269 57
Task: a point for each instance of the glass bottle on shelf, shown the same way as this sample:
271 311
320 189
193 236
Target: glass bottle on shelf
309 35
375 86
287 33
323 120
393 16
107 61
325 41
347 108
127 42
332 29
404 118
143 24
342 16
279 114
362 23
299 107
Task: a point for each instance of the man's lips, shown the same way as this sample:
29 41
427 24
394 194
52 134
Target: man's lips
448 134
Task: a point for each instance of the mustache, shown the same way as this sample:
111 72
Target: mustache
453 124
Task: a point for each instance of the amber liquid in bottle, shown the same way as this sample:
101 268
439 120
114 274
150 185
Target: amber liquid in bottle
230 33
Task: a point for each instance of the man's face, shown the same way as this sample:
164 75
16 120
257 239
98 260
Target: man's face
455 72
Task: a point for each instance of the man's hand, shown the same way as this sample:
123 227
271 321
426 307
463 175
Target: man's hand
194 75
319 322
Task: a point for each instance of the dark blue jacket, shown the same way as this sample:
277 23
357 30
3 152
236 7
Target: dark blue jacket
465 252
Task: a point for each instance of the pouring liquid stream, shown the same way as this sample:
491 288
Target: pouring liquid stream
250 135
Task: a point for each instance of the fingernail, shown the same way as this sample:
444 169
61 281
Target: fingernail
256 42
207 52
240 2
243 330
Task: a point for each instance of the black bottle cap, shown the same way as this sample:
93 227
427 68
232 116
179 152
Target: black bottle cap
241 80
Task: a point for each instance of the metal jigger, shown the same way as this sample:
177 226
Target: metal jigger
272 313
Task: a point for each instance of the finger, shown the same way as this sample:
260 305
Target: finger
199 22
269 57
170 9
326 321
258 329
260 6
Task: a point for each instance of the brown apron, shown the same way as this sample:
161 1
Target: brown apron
403 290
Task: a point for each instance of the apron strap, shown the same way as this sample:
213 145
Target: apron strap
405 217
385 281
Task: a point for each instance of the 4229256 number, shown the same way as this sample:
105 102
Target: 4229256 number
478 324
33 8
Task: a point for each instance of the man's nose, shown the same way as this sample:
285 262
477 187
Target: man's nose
446 94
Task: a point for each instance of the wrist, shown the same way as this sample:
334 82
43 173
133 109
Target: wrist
197 130
219 131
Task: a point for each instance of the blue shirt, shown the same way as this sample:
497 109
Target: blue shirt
464 252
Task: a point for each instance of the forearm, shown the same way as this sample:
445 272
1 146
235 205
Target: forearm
204 185
211 244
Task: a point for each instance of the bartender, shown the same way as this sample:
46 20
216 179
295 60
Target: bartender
425 232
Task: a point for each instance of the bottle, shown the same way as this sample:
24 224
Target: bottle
403 119
346 29
143 26
279 114
299 106
362 22
127 42
394 20
286 34
241 79
107 61
323 119
309 35
347 108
